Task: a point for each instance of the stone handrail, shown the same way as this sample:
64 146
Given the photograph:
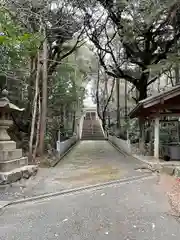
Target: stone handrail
81 120
100 122
121 144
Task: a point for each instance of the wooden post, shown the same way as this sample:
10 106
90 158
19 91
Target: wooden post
156 137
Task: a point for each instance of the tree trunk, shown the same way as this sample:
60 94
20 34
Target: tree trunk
34 111
105 102
177 73
106 106
118 103
33 68
142 86
176 69
44 99
126 109
104 119
64 117
38 128
74 121
142 95
62 114
142 135
97 94
109 118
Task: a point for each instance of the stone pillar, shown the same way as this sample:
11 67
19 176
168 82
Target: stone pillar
10 157
13 166
4 125
156 137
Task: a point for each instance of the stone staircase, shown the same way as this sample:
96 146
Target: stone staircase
92 130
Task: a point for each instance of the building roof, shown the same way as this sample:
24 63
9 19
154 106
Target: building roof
167 100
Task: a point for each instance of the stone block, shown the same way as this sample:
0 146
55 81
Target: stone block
14 177
10 177
10 155
17 174
177 172
26 174
168 170
7 145
6 166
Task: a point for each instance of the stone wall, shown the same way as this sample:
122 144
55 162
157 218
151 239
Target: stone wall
121 144
66 145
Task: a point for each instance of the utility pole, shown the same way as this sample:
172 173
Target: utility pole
44 95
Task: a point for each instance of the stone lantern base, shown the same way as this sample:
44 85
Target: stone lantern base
13 166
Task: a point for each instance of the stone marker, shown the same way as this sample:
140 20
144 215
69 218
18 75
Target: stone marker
13 166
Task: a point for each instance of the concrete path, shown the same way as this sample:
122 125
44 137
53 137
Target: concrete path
93 162
134 211
90 162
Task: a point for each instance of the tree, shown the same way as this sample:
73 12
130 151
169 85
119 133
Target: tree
67 92
104 87
61 36
15 45
42 64
146 31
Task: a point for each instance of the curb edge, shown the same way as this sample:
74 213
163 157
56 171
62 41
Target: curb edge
74 190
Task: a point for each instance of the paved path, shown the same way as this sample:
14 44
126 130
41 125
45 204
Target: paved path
97 161
134 211
90 162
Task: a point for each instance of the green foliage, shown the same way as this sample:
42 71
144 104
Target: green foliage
16 43
70 79
67 86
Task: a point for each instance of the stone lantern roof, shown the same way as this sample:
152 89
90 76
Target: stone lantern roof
5 103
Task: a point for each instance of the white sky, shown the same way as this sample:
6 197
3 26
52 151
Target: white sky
88 100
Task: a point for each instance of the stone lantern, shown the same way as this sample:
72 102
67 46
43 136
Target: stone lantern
13 166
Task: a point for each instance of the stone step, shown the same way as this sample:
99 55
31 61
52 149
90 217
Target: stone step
97 128
92 139
10 155
7 145
90 130
92 124
93 134
89 133
6 166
